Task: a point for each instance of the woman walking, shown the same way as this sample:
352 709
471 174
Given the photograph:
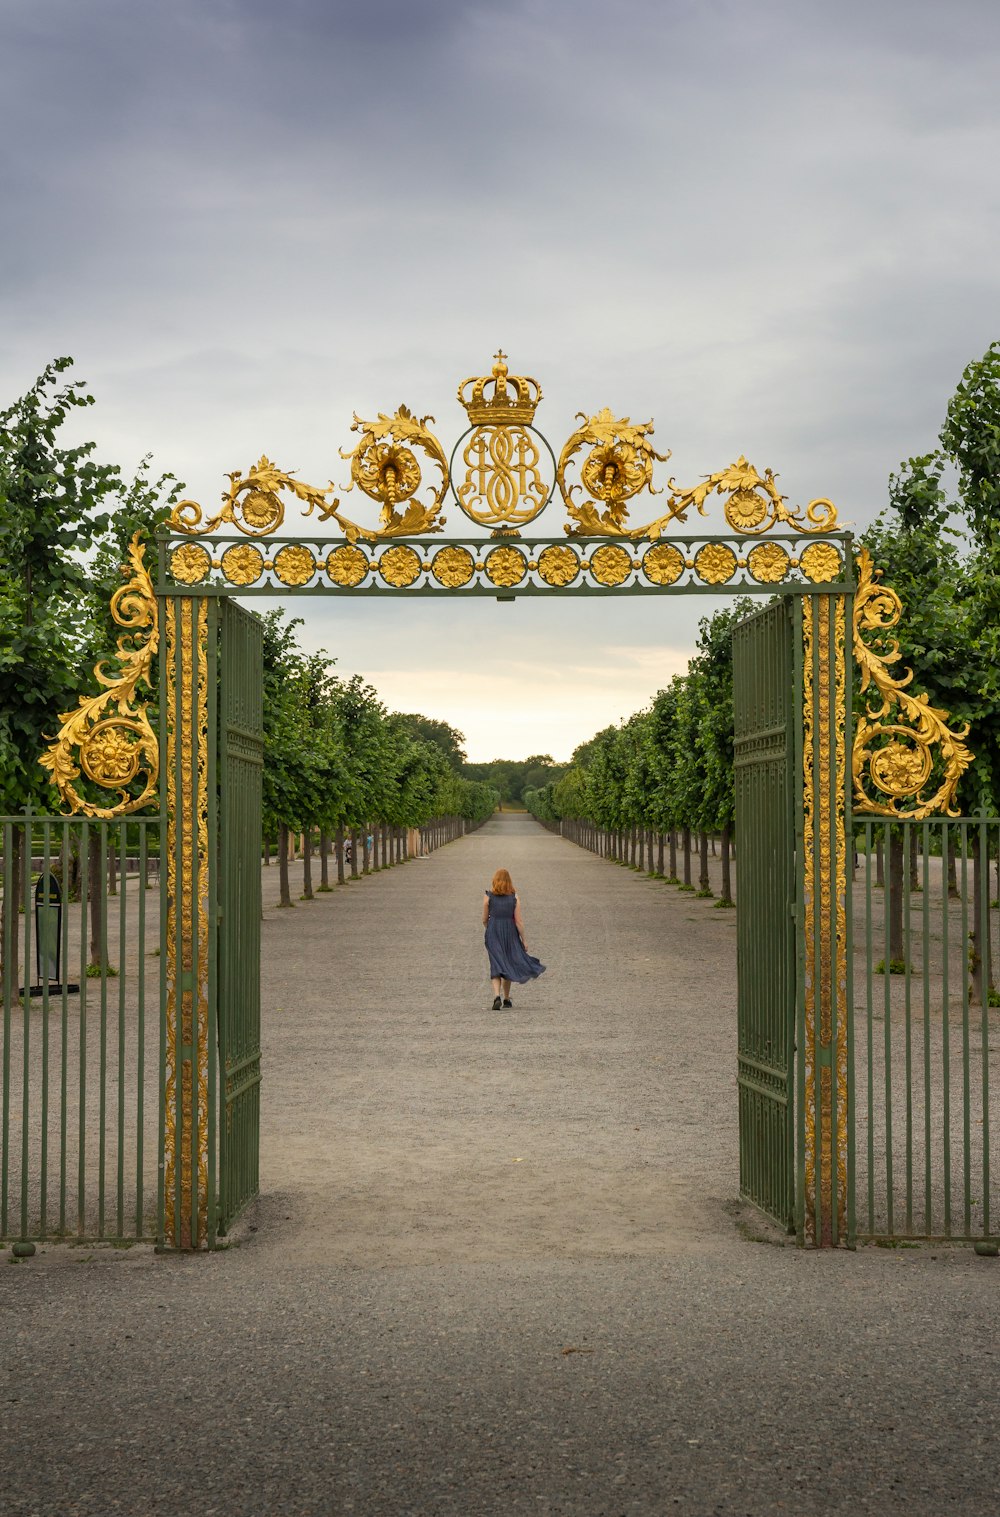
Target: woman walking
509 956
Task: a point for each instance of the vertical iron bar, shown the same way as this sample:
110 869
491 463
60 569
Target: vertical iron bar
64 1029
28 849
925 848
122 946
946 1027
212 865
887 994
966 1073
140 1055
81 1157
9 982
870 1014
984 950
798 658
102 948
904 886
178 944
43 977
196 867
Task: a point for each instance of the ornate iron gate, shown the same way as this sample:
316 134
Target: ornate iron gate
792 676
764 769
241 740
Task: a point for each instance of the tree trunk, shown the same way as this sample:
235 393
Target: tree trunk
285 897
673 855
324 859
95 885
354 853
896 882
686 849
727 883
338 843
307 866
640 847
267 853
704 884
659 855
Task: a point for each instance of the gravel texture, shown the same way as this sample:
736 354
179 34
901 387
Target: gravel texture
497 1265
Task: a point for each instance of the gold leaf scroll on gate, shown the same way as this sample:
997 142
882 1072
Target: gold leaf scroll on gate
619 466
384 467
108 738
895 762
185 1151
507 482
824 913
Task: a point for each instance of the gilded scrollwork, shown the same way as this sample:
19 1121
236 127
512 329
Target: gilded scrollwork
620 465
895 762
108 738
386 469
253 502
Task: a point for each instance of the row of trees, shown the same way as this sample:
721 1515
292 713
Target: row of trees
338 763
662 780
669 769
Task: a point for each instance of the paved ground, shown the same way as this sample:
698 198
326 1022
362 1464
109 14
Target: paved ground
497 1267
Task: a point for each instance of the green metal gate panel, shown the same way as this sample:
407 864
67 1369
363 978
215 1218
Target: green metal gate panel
241 741
764 755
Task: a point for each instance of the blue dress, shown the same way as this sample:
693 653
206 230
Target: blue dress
508 960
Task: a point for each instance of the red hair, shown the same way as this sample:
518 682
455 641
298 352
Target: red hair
502 883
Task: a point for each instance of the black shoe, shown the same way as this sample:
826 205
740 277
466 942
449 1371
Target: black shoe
497 1003
507 1005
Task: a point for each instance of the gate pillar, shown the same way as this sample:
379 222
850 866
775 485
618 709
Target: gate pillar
187 1033
824 1118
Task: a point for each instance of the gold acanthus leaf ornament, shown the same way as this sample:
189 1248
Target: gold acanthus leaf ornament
253 503
108 738
385 468
894 762
620 465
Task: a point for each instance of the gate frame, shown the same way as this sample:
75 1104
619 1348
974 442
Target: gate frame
806 557
820 701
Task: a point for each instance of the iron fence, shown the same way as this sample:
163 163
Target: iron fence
81 944
926 1029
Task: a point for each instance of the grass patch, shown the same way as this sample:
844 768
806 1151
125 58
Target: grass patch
725 905
896 966
94 971
705 895
688 889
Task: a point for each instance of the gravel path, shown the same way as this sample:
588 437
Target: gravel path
497 1266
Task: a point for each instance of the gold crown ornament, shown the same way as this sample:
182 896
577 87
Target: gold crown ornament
513 397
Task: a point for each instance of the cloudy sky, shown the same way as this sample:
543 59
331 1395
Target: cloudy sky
771 225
